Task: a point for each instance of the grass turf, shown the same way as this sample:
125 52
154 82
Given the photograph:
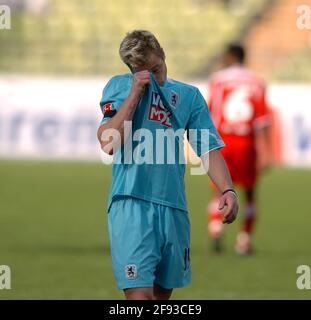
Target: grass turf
53 235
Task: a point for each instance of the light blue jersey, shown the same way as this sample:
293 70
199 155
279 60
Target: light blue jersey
173 106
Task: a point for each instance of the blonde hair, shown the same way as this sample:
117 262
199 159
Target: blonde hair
135 47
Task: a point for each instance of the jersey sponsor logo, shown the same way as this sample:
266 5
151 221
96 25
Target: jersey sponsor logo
131 271
157 111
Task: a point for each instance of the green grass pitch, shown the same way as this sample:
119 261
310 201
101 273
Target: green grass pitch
53 235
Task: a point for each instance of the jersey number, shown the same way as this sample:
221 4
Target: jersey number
237 107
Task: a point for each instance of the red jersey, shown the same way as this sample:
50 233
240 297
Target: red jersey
237 104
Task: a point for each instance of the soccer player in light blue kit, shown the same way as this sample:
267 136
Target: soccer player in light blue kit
148 221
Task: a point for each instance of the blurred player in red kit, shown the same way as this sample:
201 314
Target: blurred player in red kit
236 98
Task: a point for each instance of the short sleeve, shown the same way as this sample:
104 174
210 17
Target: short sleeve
201 132
113 96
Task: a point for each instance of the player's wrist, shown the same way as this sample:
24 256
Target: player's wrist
137 90
231 190
133 98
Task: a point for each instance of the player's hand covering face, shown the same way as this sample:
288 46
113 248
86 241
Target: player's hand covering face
228 205
140 80
157 66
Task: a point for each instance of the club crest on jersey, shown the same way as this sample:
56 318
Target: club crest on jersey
157 111
174 99
131 271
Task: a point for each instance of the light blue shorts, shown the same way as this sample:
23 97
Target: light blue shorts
149 243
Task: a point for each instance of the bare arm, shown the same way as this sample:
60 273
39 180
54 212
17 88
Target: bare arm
125 113
263 149
217 170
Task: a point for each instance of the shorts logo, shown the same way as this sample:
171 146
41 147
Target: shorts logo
131 271
174 99
157 111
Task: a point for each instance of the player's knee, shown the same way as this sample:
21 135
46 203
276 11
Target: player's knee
161 293
139 294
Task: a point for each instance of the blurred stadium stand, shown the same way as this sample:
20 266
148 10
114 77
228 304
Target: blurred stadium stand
276 48
276 45
78 37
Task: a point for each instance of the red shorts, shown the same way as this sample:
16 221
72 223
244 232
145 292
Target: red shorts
241 161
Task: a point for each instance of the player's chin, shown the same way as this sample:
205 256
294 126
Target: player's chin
161 81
